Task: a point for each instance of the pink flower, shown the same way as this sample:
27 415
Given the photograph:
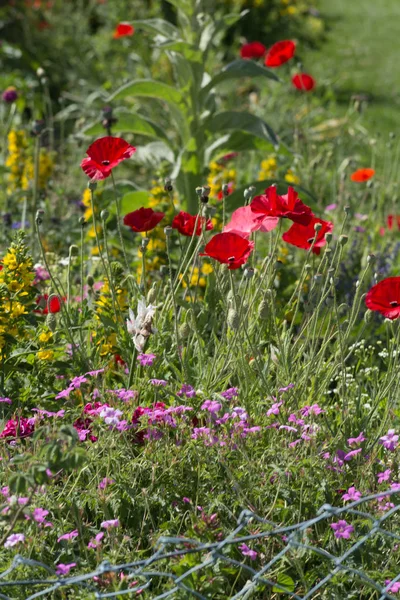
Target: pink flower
6 400
110 524
96 541
393 588
246 551
62 569
110 415
105 482
14 539
212 406
389 441
384 476
39 515
244 222
352 454
274 410
69 536
315 409
342 529
286 388
146 360
357 440
352 494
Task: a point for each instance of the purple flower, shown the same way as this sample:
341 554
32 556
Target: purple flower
68 536
105 482
389 441
395 486
342 529
246 551
95 373
393 588
46 413
14 539
230 393
384 476
187 390
315 409
124 395
110 524
6 400
331 207
159 382
76 382
240 413
110 415
352 454
286 388
357 440
64 393
96 541
186 500
146 360
351 494
212 406
274 410
10 95
62 569
39 515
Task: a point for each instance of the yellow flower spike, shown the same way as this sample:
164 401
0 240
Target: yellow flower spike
45 355
290 177
206 269
45 336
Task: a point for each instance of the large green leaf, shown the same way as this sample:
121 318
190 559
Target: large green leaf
154 153
126 123
236 199
239 69
238 141
133 200
284 581
158 26
148 88
186 6
241 121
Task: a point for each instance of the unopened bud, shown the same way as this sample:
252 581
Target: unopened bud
307 267
249 192
184 331
73 250
168 187
145 243
90 281
164 271
233 319
225 190
328 237
152 294
40 72
343 239
39 216
317 226
263 309
248 273
347 210
82 222
368 316
37 127
104 215
371 258
92 185
199 191
168 231
117 270
51 321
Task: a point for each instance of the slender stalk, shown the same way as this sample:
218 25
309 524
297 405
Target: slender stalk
118 209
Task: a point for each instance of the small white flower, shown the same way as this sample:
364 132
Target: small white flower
140 327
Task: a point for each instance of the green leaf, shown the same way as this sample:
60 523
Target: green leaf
126 124
236 199
186 6
133 200
241 121
239 69
148 88
286 582
154 153
237 141
158 26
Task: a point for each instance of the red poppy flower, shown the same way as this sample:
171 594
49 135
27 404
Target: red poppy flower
303 82
362 175
253 50
143 219
244 221
45 306
280 53
391 220
123 30
229 248
289 206
303 236
384 297
185 223
105 154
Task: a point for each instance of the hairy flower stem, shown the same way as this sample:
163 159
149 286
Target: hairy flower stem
175 308
143 277
81 265
35 187
132 367
115 304
118 209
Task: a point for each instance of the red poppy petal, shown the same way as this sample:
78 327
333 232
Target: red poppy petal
362 175
303 82
123 30
110 149
280 53
93 171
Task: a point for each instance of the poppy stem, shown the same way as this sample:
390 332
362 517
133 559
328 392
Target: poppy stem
132 367
117 206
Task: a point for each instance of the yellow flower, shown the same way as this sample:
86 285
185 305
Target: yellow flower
45 337
268 168
290 177
206 269
45 354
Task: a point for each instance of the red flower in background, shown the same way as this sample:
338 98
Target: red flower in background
390 221
303 236
143 219
244 221
123 30
185 224
105 154
229 248
362 175
253 50
18 428
289 206
303 82
280 53
384 297
45 306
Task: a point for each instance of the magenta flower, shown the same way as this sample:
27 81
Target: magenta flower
384 476
351 494
357 440
395 486
105 482
14 539
95 373
39 515
64 393
96 541
246 551
76 382
315 409
230 393
10 95
274 410
389 441
187 390
352 454
286 388
6 400
212 406
68 536
146 360
110 415
393 588
62 569
342 529
110 524
158 382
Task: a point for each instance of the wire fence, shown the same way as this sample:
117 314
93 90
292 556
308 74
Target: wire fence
186 568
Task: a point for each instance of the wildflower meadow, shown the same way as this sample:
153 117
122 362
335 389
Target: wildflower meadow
199 307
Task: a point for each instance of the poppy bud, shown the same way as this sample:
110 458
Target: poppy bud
199 191
263 309
370 184
343 239
90 281
307 267
368 316
164 271
248 273
233 319
168 187
82 222
117 269
104 215
328 237
347 210
73 250
145 243
371 259
152 294
184 331
318 278
168 231
39 216
51 321
92 185
317 226
37 127
249 192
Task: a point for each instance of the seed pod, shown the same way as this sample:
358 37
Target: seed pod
233 319
343 239
90 281
73 250
263 310
51 321
117 270
152 294
184 331
104 214
92 185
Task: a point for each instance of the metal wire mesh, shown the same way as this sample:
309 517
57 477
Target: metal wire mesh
162 574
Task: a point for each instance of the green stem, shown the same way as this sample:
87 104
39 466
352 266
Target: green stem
117 206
